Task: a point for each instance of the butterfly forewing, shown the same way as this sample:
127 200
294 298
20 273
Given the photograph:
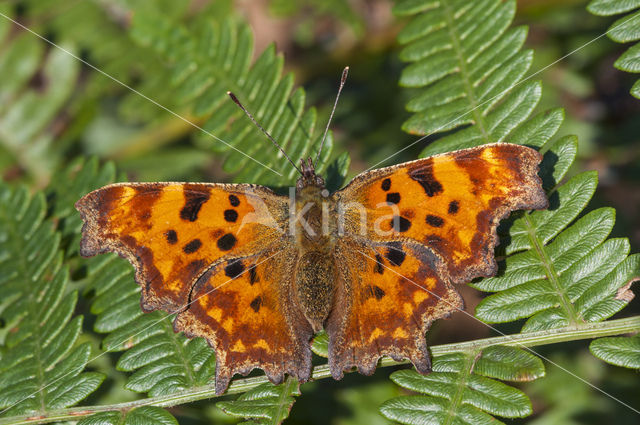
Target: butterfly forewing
173 232
449 203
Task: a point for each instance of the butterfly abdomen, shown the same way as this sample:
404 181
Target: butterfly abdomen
315 286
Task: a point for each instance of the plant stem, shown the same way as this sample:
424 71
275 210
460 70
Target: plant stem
530 339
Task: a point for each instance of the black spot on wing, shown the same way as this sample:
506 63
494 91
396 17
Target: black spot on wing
192 246
230 215
172 236
256 303
424 176
234 269
378 268
193 201
434 220
374 291
393 198
400 224
253 276
454 206
395 254
386 184
226 242
234 201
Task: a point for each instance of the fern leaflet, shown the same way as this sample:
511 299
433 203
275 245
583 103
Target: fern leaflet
41 367
620 351
267 404
624 30
461 388
145 415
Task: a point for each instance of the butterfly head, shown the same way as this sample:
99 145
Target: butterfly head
308 177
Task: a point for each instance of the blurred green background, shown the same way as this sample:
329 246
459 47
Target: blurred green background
54 109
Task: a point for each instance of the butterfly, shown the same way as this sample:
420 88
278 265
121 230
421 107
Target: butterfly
374 264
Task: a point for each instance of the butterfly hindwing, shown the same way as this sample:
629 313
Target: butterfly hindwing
387 297
246 307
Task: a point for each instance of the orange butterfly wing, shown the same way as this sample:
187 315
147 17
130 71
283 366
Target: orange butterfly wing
246 307
185 237
441 212
387 296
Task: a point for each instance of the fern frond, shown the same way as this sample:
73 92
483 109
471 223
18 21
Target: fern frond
41 367
145 415
462 388
465 63
564 276
624 30
466 66
37 84
267 404
214 57
619 351
162 361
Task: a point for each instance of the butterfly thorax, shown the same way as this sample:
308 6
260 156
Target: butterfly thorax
315 271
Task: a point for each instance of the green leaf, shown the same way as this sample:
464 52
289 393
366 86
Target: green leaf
624 30
150 415
620 351
267 404
457 393
612 7
320 344
41 367
468 66
163 362
145 415
509 364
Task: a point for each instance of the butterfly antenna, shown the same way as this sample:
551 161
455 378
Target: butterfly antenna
235 99
345 71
